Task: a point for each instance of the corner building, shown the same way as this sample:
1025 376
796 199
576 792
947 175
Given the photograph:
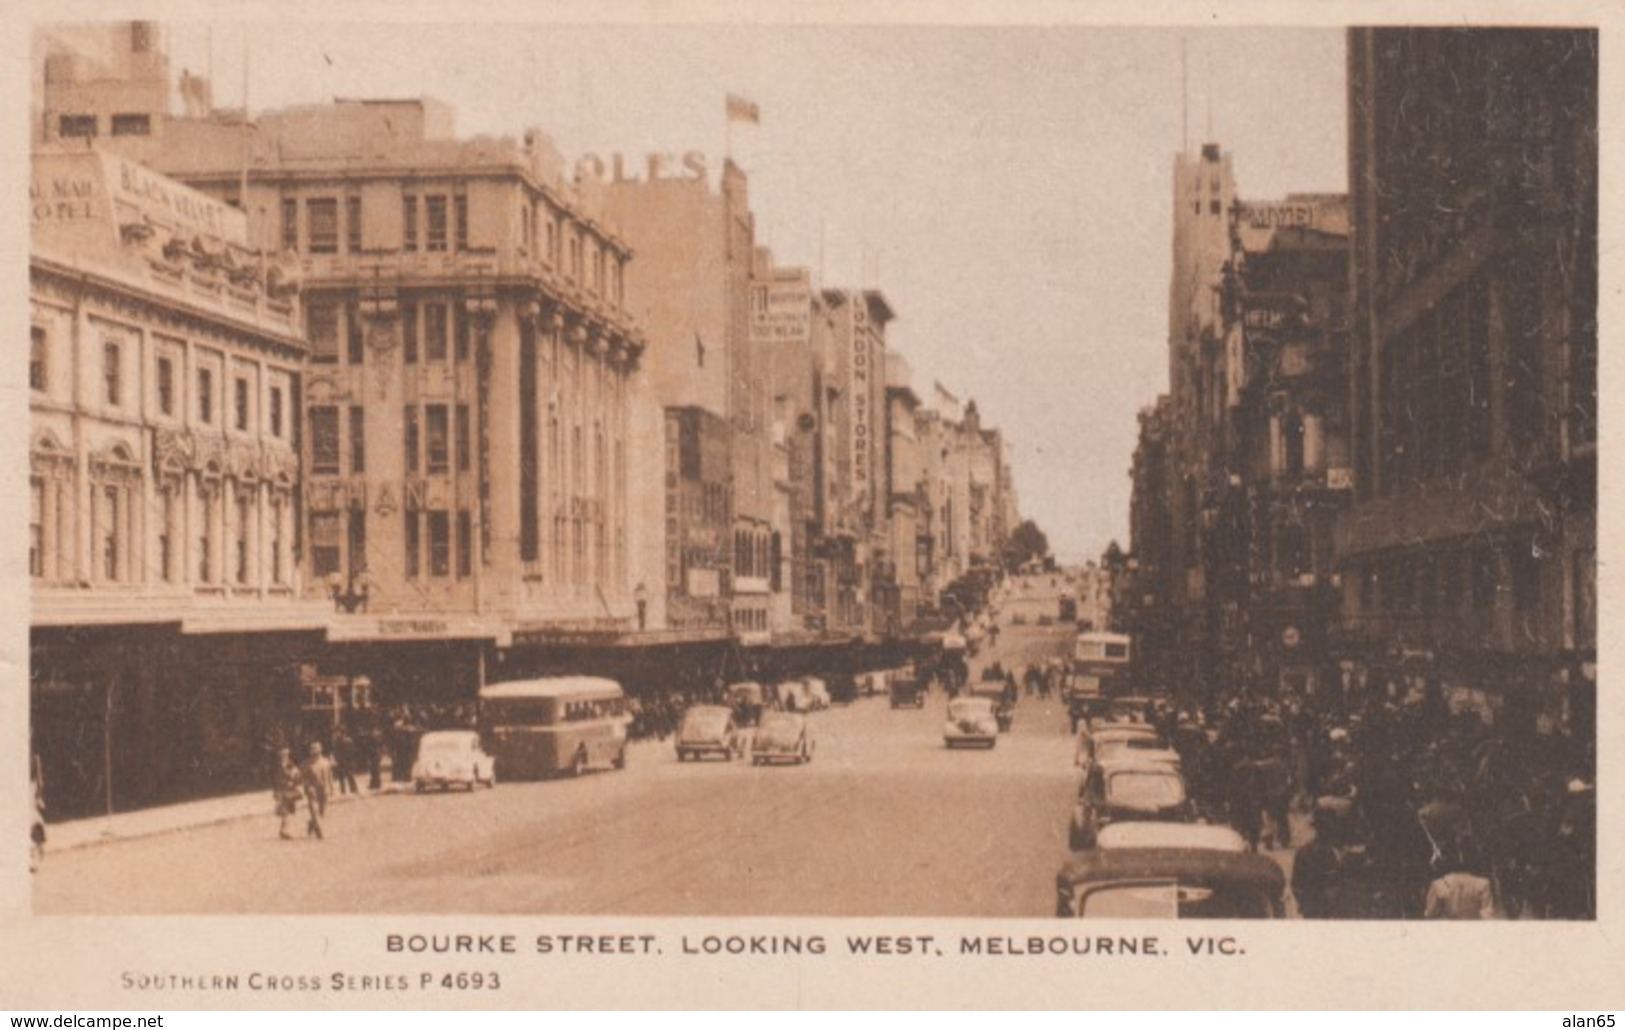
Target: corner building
467 390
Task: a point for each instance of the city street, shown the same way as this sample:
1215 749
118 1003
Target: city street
884 821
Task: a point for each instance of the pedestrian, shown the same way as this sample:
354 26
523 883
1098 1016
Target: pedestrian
1276 784
1461 894
287 789
318 787
346 756
1247 801
1318 871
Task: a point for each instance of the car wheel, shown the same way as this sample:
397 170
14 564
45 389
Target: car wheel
620 759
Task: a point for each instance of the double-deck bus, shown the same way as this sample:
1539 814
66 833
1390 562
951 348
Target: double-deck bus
548 727
1100 663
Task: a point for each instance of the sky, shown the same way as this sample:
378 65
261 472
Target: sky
1007 188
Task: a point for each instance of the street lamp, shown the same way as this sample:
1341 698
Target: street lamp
640 594
348 600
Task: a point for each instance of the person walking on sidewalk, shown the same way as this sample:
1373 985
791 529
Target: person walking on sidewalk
287 788
318 786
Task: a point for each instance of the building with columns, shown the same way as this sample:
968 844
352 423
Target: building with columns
164 505
468 382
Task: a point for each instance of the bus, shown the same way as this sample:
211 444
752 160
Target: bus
1100 663
549 727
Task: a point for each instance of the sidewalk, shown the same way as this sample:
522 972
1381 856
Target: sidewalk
149 822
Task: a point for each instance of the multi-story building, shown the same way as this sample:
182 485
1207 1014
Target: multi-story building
690 291
901 489
1472 536
164 390
850 344
468 381
1286 334
698 519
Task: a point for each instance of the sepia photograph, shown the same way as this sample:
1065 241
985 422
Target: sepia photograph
557 482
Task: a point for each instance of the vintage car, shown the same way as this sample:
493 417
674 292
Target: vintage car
971 720
1170 883
1003 698
447 757
709 730
1117 740
746 699
782 737
1199 836
1127 790
808 694
907 692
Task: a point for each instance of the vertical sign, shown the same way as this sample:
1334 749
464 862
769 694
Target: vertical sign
862 415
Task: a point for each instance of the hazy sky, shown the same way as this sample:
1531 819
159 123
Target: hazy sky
1008 188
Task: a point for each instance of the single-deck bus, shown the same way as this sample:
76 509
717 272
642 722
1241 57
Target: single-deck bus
547 727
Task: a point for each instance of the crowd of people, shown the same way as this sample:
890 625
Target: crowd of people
1416 811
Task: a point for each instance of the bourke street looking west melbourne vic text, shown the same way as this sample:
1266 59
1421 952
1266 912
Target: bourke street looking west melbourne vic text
1088 487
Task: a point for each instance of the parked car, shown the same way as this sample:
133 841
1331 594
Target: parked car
818 692
1127 790
1124 740
447 757
1170 883
782 737
907 692
971 720
709 730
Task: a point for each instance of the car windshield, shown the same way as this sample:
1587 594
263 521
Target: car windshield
780 730
1168 899
704 722
443 745
968 708
1144 789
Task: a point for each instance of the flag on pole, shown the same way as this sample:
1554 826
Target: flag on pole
742 110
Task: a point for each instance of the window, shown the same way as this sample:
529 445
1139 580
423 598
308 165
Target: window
242 404
166 386
1484 581
290 224
411 440
1525 577
322 327
439 543
166 535
358 540
461 331
413 528
77 126
38 369
324 543
409 222
439 443
434 217
352 224
575 257
274 524
434 332
460 213
36 527
463 448
409 333
276 412
322 224
324 440
354 336
245 517
205 396
110 533
465 544
205 541
112 373
358 439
